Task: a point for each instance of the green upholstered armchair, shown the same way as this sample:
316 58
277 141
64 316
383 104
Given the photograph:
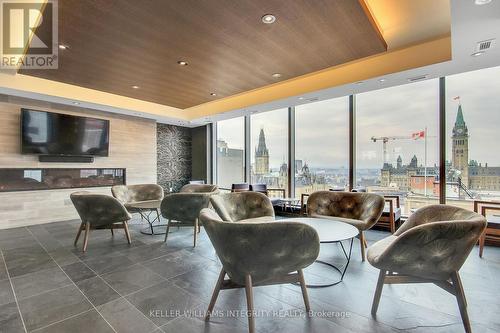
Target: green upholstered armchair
361 210
129 194
243 207
256 254
99 211
430 247
183 208
199 188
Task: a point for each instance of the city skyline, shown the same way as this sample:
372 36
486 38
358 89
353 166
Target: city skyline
416 107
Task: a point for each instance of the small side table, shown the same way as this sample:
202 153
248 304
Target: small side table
331 231
147 210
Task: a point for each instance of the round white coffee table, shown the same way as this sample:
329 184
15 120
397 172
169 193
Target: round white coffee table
331 231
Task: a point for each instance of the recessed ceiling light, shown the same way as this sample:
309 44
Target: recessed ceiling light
477 54
482 2
135 87
359 82
213 94
382 80
301 97
268 18
182 63
76 103
276 75
63 47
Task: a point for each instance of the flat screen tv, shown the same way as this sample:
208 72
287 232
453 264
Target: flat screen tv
51 133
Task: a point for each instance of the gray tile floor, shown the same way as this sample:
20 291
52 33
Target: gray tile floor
47 285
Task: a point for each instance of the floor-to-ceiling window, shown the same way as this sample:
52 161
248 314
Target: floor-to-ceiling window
269 149
397 144
230 152
472 128
322 146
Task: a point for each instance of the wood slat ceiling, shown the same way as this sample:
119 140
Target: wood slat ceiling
117 44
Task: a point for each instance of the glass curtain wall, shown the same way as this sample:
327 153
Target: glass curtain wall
230 152
322 146
269 151
472 123
397 143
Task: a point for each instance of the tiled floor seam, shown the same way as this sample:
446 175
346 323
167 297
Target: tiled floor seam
116 291
88 300
13 291
60 321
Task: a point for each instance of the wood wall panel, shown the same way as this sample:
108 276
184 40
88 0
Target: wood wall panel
132 146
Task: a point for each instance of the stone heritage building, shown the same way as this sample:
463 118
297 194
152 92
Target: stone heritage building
470 173
261 156
401 175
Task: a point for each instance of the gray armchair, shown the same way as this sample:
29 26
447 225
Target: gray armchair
99 211
430 247
256 254
183 208
243 207
130 194
361 210
199 188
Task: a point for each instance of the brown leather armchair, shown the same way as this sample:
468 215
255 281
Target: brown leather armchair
493 222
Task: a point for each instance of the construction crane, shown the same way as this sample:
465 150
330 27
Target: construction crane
386 139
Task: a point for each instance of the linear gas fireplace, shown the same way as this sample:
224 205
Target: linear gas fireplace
64 178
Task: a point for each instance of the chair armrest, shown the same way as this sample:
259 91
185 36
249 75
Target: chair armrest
263 250
303 203
479 203
391 198
486 208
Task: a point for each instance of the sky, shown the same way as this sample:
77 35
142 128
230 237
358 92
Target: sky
322 127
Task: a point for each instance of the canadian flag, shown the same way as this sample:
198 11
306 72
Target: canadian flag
418 135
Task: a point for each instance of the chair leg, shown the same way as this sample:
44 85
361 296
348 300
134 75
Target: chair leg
304 290
462 303
378 291
482 240
215 294
362 241
111 228
195 232
127 233
250 308
168 229
82 226
392 224
86 237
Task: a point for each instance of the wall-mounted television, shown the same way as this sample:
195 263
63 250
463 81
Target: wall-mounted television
49 133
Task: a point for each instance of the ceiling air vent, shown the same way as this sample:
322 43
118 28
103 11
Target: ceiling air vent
485 45
417 78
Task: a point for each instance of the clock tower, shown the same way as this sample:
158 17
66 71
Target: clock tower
460 147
